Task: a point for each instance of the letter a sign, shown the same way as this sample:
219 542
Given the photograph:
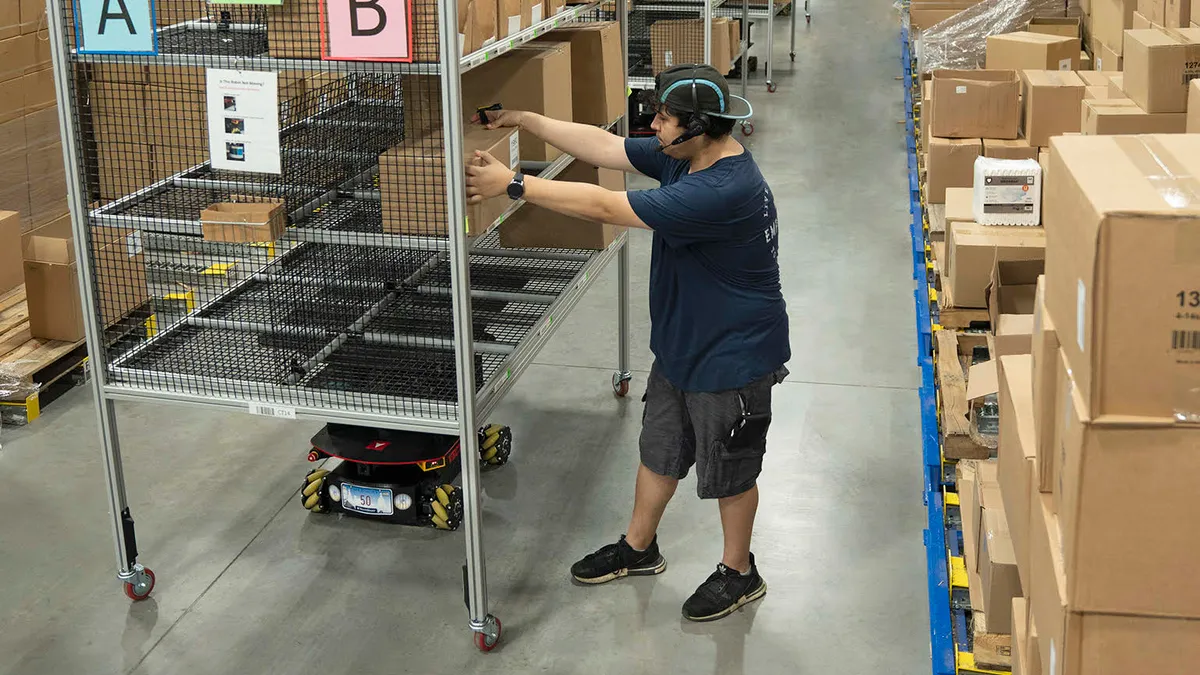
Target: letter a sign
115 27
367 30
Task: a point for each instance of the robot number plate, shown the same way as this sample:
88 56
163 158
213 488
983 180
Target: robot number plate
365 500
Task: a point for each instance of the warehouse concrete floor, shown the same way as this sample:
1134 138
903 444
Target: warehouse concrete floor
251 583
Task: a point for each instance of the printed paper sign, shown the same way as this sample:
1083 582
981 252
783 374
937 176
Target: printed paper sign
366 30
243 120
115 27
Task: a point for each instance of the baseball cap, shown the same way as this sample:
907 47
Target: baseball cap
674 87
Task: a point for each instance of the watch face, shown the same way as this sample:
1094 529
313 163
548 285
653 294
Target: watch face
516 190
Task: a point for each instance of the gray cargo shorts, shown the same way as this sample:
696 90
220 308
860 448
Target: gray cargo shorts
723 433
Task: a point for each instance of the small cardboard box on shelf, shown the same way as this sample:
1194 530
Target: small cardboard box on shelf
976 104
243 220
1122 116
1025 50
1159 65
1052 101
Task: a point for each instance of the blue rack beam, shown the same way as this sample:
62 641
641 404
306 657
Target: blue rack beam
941 623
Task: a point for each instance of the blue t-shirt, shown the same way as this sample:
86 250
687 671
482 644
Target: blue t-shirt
718 320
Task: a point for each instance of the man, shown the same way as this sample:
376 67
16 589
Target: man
719 327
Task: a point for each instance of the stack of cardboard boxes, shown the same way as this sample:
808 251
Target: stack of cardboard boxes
676 41
32 179
571 74
1100 420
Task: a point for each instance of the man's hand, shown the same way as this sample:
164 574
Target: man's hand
501 118
487 177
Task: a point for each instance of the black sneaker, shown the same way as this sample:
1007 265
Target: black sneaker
723 592
618 560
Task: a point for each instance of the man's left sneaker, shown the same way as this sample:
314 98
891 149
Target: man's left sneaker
724 591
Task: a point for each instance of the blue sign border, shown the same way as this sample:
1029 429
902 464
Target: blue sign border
78 12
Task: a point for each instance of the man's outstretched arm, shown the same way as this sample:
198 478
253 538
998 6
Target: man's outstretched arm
582 141
488 177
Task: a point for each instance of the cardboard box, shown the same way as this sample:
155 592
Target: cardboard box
1150 13
924 14
1193 119
676 41
1095 94
998 570
597 87
951 163
735 40
537 78
1159 65
10 20
1179 14
1074 643
1022 51
1020 637
51 288
1094 79
1120 252
976 104
412 182
971 250
478 26
1045 355
1085 62
965 479
1013 286
1106 58
11 274
926 112
1017 149
1052 101
553 7
243 220
1115 116
959 206
1110 20
532 11
1013 335
1125 502
1061 26
1016 453
536 227
1116 86
508 18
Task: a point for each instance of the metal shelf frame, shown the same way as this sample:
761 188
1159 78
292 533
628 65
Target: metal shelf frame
444 276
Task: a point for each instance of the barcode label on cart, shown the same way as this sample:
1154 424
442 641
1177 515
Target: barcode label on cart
279 411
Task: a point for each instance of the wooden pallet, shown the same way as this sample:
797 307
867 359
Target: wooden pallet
959 318
959 438
38 364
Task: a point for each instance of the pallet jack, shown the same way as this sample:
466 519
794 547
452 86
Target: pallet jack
402 477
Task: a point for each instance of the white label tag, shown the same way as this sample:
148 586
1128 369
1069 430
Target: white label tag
1099 63
514 24
960 89
1064 64
265 410
537 14
1080 320
669 58
1053 658
133 243
462 42
514 151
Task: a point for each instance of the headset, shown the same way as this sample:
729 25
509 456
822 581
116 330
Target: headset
700 123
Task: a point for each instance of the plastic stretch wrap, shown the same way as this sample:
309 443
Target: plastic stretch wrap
960 42
13 385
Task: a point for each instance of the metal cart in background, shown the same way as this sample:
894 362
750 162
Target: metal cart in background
342 318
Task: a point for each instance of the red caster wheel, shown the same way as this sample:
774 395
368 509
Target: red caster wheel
313 455
771 87
747 129
141 586
621 384
487 640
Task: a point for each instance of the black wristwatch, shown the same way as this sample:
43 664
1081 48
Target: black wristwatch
516 189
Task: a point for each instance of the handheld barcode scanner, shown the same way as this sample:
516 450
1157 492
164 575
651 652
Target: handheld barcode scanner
483 111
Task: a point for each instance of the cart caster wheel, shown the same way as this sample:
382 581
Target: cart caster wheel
771 87
495 444
141 586
489 637
808 20
314 455
747 129
312 493
446 508
620 383
793 55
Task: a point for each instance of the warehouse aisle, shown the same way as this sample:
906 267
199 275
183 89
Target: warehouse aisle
251 583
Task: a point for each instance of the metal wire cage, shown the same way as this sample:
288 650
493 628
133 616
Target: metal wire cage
271 218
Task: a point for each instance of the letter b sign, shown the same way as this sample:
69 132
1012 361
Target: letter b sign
368 30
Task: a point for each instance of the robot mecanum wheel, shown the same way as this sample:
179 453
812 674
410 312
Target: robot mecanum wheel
402 477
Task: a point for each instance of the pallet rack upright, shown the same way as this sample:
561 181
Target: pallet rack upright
350 320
